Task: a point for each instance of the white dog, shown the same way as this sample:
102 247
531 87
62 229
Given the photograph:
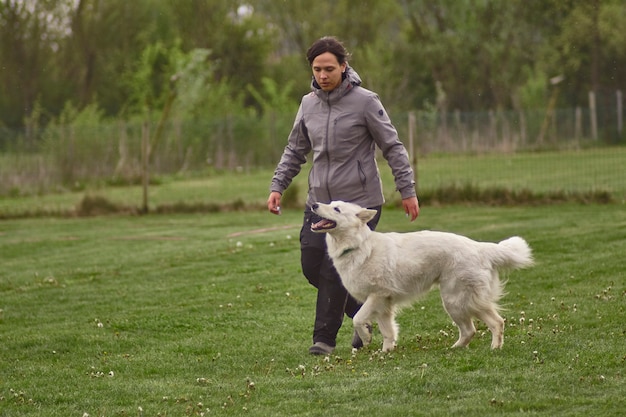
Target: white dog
387 270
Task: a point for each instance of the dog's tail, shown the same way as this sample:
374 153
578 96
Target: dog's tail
513 253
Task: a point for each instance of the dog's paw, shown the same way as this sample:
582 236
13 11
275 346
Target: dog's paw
389 346
496 345
365 333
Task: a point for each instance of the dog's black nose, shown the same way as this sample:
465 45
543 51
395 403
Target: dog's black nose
315 206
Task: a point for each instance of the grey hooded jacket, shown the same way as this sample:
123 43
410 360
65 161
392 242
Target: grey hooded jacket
343 128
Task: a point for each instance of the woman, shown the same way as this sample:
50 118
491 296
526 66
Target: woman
341 123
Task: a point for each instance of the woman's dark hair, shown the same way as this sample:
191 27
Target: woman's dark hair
327 44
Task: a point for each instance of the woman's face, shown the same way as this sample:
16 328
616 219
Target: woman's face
327 71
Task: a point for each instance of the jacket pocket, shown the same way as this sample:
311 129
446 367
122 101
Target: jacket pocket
362 175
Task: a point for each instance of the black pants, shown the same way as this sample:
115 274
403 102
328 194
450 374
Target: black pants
332 298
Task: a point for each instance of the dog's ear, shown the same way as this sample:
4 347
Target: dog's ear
366 215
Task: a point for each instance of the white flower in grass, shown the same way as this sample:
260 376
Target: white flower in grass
239 244
536 357
250 384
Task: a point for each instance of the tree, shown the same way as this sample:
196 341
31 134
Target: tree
478 54
239 39
368 28
106 38
477 50
30 33
589 48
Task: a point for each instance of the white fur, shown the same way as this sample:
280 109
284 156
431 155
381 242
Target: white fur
386 270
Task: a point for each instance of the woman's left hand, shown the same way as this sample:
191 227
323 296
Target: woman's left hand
411 207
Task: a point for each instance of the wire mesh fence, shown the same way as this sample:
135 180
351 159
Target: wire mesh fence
55 156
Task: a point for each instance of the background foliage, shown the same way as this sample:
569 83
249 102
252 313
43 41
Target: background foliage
477 55
216 83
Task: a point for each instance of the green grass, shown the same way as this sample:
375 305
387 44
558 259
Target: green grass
176 315
439 176
574 170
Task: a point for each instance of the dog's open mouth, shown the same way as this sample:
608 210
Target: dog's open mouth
322 225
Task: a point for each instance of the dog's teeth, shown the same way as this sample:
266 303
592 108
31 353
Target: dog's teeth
323 224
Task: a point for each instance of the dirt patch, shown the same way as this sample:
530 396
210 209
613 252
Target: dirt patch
264 230
156 238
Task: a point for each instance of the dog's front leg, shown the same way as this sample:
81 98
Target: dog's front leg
389 329
385 313
363 322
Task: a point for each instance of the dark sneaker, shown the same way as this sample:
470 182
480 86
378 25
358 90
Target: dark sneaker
321 348
357 343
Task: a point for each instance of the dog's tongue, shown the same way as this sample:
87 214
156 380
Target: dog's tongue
323 224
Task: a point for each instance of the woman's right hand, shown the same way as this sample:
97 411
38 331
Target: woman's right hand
273 202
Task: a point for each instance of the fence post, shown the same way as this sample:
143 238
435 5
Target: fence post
122 150
145 157
593 115
620 120
412 148
458 130
522 126
578 124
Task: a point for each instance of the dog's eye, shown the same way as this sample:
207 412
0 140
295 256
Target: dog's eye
337 210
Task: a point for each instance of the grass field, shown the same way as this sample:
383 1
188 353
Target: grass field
574 171
209 314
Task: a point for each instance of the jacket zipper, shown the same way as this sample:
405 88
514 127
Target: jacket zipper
326 180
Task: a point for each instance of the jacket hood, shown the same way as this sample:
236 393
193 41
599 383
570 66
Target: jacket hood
352 76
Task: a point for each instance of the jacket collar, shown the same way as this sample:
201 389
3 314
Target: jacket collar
351 79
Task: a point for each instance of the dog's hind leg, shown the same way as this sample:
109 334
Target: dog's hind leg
496 325
466 331
463 320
